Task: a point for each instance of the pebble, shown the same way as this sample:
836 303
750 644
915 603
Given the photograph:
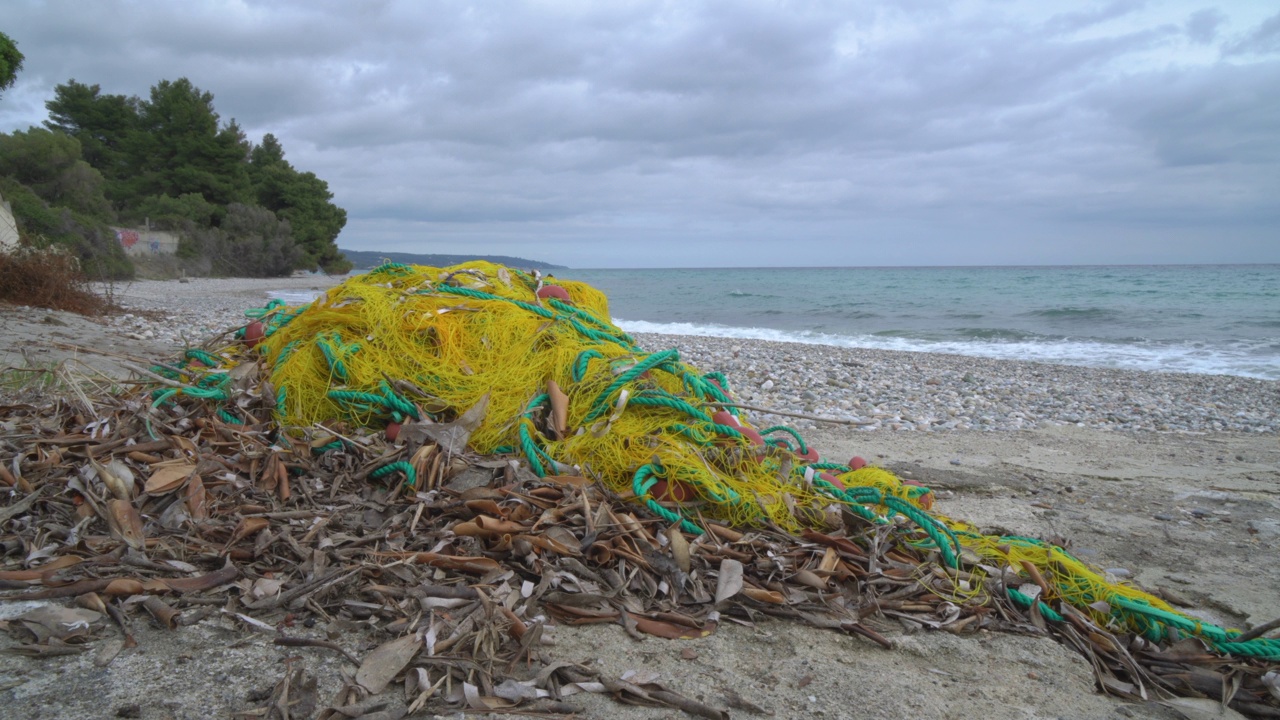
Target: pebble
895 391
880 390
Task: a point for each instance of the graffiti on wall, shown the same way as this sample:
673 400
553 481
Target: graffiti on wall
146 242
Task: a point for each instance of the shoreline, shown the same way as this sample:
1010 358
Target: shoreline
1186 513
868 389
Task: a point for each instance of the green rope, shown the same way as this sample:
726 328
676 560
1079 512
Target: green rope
410 475
607 328
790 431
229 418
580 363
531 450
601 404
645 478
1025 601
651 399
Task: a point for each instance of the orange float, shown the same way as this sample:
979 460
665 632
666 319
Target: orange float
254 332
554 291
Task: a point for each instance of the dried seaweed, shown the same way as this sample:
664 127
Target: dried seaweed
174 514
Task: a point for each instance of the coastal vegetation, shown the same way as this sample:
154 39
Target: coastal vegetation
170 163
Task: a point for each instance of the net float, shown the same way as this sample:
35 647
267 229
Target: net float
724 417
857 462
554 291
756 438
925 499
833 480
392 431
254 332
675 491
809 455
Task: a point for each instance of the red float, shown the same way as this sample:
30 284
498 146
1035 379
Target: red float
724 417
857 462
554 291
756 438
675 492
809 455
254 332
925 500
832 479
393 431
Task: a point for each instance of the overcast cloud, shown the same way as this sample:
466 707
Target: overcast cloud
616 134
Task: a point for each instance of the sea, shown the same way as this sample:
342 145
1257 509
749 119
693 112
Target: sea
1218 319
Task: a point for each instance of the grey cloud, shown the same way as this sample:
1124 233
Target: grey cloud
1264 39
1202 26
601 131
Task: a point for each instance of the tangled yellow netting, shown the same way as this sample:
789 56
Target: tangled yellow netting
572 393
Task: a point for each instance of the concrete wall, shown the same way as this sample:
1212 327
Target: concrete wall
146 242
8 227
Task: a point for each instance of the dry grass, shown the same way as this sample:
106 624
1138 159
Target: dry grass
48 279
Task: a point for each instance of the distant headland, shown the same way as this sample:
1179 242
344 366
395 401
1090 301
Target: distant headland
365 259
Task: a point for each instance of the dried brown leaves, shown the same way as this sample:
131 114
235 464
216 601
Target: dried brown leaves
463 576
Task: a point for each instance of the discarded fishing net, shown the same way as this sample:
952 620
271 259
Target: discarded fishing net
484 440
550 378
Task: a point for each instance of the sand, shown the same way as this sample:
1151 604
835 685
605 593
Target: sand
1195 513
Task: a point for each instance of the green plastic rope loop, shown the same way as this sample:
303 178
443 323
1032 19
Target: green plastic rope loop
207 358
1022 599
601 403
790 431
580 363
532 452
643 481
410 475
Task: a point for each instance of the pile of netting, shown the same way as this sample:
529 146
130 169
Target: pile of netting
550 379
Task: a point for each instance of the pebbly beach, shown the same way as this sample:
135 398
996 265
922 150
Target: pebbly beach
1169 480
866 389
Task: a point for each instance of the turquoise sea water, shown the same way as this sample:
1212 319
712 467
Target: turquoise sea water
1222 319
1206 318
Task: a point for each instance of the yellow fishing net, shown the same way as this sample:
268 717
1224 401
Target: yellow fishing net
572 393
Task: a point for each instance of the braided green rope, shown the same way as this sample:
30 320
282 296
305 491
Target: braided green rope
645 478
601 403
531 450
790 431
1025 601
580 363
605 327
481 295
410 475
671 402
207 358
229 418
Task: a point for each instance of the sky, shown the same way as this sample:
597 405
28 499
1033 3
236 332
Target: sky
736 133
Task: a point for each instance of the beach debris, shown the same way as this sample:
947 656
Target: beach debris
185 509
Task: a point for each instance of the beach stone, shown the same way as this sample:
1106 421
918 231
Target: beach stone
1267 529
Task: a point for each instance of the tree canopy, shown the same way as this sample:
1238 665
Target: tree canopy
10 61
171 159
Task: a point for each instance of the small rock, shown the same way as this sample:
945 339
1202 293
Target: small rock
1264 528
133 710
1163 517
955 461
766 385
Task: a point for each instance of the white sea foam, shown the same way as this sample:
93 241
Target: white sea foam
1256 360
1189 358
